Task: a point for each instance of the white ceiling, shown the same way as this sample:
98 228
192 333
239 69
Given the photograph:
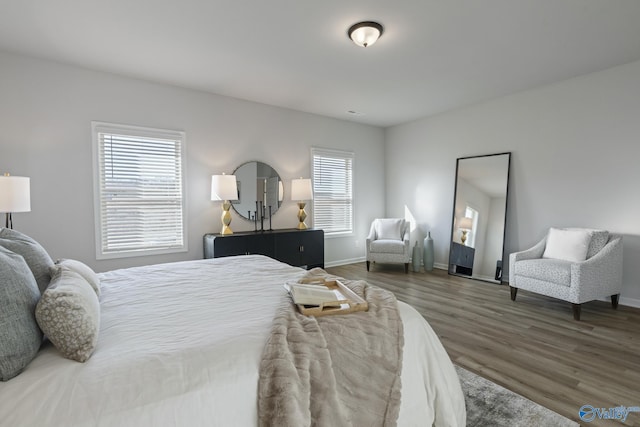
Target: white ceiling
434 55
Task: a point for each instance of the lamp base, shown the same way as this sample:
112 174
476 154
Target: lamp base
463 238
226 218
302 215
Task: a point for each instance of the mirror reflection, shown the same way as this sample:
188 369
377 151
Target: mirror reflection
479 215
259 187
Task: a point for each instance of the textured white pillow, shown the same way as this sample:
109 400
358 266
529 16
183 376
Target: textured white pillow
82 269
568 245
69 314
389 228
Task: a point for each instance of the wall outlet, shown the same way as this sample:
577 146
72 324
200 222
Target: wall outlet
356 243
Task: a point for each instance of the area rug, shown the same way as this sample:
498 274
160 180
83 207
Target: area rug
489 404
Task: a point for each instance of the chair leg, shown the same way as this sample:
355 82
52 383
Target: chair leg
576 311
406 268
368 265
514 292
614 301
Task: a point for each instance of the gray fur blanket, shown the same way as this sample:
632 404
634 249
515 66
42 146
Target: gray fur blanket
339 370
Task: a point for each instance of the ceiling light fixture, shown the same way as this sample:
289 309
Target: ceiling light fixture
365 33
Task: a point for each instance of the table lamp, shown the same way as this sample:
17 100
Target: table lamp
465 225
225 188
15 196
302 191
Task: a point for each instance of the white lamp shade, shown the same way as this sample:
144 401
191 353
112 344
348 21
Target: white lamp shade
224 187
15 194
301 189
466 223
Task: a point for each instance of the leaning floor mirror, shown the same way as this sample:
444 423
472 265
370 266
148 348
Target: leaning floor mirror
479 217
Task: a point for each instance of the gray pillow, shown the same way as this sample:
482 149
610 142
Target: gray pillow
82 269
20 337
33 253
599 239
69 315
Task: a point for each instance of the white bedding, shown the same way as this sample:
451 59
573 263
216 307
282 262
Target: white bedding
180 344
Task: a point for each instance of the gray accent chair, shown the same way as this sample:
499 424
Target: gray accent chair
388 242
598 276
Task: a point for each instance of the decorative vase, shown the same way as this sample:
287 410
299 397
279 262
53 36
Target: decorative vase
415 258
428 252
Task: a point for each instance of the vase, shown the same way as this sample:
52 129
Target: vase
415 258
428 252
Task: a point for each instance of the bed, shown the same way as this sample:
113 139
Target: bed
180 344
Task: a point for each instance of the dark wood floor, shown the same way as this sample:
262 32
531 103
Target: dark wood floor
531 346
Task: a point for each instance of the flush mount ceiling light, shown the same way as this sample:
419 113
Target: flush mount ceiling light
365 33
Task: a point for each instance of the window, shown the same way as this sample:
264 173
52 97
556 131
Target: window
138 190
332 190
471 235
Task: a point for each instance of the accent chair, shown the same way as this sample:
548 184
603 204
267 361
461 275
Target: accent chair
388 242
572 264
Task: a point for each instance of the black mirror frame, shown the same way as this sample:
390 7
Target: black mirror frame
453 217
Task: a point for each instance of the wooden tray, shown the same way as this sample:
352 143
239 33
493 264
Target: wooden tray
352 303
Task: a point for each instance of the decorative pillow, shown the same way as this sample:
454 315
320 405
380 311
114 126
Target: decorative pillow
82 269
33 253
20 337
389 228
69 314
599 239
568 245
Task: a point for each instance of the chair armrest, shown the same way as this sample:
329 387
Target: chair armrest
406 238
600 275
531 253
534 252
371 237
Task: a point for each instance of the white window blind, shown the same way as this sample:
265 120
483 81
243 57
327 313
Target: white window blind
332 190
139 190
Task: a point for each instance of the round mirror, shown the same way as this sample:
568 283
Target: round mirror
259 188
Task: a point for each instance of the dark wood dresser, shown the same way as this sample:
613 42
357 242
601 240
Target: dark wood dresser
461 260
300 248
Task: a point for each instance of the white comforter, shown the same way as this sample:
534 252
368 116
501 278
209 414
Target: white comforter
180 345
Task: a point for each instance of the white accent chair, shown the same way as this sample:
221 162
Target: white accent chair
573 264
388 241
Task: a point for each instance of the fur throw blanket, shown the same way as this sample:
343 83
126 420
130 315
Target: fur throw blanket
339 370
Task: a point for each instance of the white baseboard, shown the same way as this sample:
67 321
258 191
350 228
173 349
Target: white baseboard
344 262
363 259
631 302
440 266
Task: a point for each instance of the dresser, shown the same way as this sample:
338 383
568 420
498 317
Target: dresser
300 248
461 260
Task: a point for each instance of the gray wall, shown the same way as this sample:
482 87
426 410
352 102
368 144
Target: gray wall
45 114
576 148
